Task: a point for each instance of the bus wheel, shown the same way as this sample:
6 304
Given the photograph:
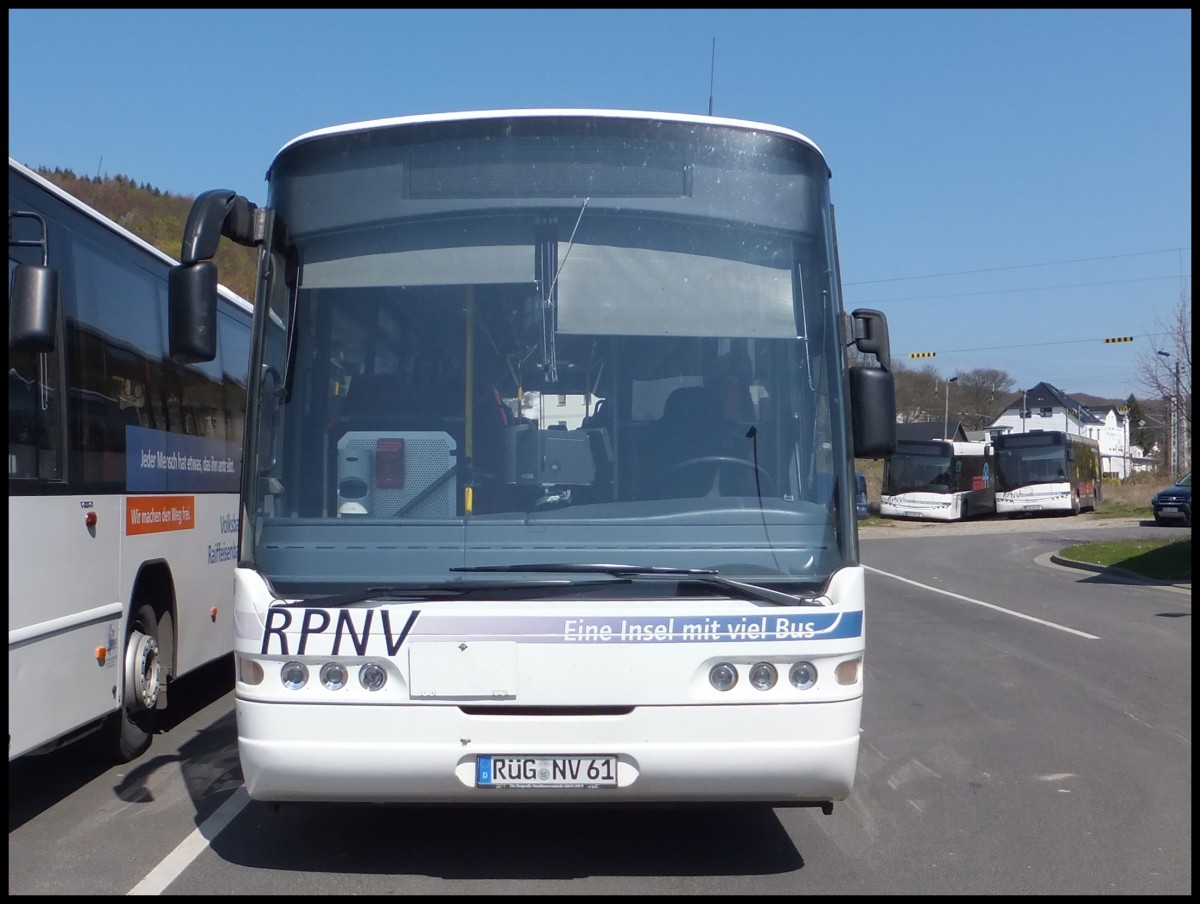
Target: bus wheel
131 728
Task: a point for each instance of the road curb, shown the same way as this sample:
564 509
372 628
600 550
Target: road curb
1130 576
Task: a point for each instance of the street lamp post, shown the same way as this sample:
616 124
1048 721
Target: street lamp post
1176 445
946 416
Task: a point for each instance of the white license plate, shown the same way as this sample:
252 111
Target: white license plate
1168 508
546 772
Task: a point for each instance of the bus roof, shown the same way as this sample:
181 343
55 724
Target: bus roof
549 112
956 446
67 198
1043 437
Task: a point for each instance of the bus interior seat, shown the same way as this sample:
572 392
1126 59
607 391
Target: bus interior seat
689 428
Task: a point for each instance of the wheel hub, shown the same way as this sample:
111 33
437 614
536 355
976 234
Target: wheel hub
142 672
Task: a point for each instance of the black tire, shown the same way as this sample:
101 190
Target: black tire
129 730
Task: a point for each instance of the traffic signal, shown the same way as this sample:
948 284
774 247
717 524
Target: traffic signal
1119 339
922 354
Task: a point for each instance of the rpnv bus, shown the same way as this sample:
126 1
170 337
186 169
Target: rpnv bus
938 480
123 475
1046 471
549 488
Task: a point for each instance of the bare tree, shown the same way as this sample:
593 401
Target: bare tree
1164 371
916 392
979 397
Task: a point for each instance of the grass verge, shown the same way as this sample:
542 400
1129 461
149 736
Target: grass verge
1160 559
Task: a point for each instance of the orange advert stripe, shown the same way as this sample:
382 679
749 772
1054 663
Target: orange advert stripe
151 514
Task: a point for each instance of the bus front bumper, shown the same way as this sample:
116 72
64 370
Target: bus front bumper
782 755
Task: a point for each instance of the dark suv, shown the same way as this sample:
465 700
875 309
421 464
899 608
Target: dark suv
1174 503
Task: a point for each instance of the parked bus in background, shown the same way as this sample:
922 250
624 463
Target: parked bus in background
1047 471
549 494
938 480
123 475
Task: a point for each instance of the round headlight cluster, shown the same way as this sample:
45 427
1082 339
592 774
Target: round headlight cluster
334 676
372 676
723 676
294 675
762 676
803 675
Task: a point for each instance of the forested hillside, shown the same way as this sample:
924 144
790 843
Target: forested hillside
156 217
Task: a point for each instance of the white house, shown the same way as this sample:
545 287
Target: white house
1118 457
1047 407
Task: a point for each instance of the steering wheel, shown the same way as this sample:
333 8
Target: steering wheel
765 481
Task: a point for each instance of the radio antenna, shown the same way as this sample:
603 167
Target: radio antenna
711 72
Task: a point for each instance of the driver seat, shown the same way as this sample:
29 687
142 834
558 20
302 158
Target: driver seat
693 426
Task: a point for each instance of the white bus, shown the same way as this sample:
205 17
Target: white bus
123 475
549 489
938 480
1047 471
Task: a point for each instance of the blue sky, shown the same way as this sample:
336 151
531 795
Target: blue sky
1012 186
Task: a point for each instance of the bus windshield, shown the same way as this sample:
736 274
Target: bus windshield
577 343
909 470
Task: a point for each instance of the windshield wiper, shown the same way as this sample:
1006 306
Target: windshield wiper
703 575
587 568
429 591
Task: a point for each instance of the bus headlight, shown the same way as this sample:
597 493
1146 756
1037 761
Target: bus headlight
763 676
803 675
294 675
722 676
372 676
333 676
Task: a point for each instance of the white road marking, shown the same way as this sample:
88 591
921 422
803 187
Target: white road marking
967 599
191 847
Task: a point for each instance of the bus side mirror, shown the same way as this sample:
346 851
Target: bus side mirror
872 412
33 308
872 389
192 284
214 214
192 312
870 335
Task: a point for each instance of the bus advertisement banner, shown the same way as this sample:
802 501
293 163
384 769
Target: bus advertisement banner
159 462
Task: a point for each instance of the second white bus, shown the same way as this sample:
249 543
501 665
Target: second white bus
123 475
938 480
1047 471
